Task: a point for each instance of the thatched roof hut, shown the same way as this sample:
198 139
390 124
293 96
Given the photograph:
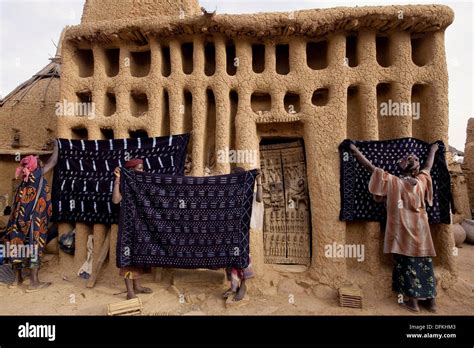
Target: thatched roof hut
28 112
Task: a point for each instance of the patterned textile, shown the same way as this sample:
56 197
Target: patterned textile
25 212
414 277
185 222
356 201
83 177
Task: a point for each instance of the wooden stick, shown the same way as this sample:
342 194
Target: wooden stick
100 261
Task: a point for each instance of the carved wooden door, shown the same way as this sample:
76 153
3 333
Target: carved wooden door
287 226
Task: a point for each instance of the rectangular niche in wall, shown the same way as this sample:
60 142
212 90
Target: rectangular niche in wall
210 130
165 61
282 53
421 95
138 103
320 97
84 60
187 53
165 113
110 104
79 133
84 96
351 50
234 104
140 63
317 54
292 103
258 58
261 102
84 106
421 48
382 45
209 58
385 122
353 113
107 133
139 133
231 58
188 111
112 61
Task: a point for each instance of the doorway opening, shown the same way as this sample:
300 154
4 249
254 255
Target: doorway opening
287 216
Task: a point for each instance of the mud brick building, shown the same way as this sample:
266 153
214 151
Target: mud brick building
290 86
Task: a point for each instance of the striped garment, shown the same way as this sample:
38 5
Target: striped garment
407 230
83 177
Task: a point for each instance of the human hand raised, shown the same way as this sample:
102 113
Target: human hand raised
117 172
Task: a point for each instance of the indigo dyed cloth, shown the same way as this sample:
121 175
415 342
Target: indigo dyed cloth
185 222
28 222
83 177
356 201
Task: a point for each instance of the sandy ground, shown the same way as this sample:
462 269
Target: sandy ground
192 296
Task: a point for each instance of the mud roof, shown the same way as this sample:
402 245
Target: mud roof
310 23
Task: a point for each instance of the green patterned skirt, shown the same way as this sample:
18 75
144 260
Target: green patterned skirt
414 276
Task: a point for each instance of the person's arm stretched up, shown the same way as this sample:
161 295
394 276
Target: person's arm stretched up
431 155
116 195
362 159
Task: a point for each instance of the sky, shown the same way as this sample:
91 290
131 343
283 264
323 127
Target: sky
30 29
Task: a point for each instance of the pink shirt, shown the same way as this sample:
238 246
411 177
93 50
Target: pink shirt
407 231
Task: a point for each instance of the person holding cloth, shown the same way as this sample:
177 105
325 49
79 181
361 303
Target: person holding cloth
29 219
131 274
407 231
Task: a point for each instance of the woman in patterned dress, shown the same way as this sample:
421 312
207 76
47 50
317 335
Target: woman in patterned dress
28 223
407 232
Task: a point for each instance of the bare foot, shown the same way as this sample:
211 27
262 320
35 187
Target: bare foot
17 281
131 295
38 286
143 290
228 293
430 305
241 292
411 305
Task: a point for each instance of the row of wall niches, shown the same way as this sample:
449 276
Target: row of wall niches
140 63
138 101
260 101
82 133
